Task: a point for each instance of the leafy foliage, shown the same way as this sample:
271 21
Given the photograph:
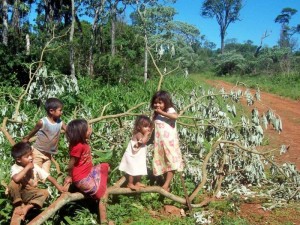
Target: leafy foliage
211 125
230 63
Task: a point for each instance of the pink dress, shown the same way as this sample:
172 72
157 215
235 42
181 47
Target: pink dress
167 155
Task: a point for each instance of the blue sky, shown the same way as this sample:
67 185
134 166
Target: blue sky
256 16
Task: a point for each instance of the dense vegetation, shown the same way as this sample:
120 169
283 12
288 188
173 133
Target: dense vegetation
107 67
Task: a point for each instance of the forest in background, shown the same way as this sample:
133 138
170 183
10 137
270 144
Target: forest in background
107 48
90 65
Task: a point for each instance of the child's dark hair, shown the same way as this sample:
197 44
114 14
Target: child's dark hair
53 103
163 96
141 121
20 149
76 131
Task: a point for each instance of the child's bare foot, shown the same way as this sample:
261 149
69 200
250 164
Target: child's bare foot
140 185
107 222
19 213
133 187
166 188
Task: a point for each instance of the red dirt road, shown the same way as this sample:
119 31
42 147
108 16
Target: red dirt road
289 112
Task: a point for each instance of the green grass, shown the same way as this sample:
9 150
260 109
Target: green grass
283 85
226 220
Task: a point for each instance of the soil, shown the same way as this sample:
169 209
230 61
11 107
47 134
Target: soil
289 112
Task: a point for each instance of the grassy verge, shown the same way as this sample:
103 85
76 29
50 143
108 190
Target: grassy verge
283 85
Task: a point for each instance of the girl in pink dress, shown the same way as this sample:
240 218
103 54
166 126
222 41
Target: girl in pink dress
167 155
133 162
89 179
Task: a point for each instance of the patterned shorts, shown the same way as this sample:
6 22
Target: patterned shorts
96 182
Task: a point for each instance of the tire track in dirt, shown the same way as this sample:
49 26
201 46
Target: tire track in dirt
289 112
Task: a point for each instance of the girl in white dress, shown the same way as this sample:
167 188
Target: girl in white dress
133 162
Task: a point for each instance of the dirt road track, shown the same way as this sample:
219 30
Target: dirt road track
289 112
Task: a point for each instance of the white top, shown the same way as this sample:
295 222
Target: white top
134 160
32 180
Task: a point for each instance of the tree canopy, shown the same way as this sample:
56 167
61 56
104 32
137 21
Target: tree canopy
225 11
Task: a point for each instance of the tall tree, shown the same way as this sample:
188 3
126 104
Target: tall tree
151 17
5 23
286 31
72 64
225 11
114 11
95 10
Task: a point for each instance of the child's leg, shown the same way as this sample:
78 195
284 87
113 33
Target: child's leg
47 163
35 196
20 213
37 157
168 178
130 183
42 159
14 191
138 182
102 208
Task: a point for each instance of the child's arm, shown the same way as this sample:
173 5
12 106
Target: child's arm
55 183
173 116
19 176
72 162
38 126
142 139
64 126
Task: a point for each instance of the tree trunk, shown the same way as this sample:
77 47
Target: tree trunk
222 34
146 60
72 65
49 14
99 9
16 16
5 23
113 30
91 50
27 44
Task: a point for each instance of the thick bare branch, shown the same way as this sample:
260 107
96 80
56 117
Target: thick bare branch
5 132
204 171
127 113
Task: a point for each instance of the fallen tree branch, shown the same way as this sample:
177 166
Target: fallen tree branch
127 113
5 132
204 171
56 205
113 190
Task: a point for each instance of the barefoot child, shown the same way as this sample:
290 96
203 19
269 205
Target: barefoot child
133 162
90 180
167 156
48 130
23 188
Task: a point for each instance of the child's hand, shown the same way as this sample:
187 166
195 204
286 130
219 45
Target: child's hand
25 139
68 180
158 110
66 187
61 189
30 165
148 133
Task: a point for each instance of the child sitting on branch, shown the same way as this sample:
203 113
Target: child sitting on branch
89 179
48 131
23 187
